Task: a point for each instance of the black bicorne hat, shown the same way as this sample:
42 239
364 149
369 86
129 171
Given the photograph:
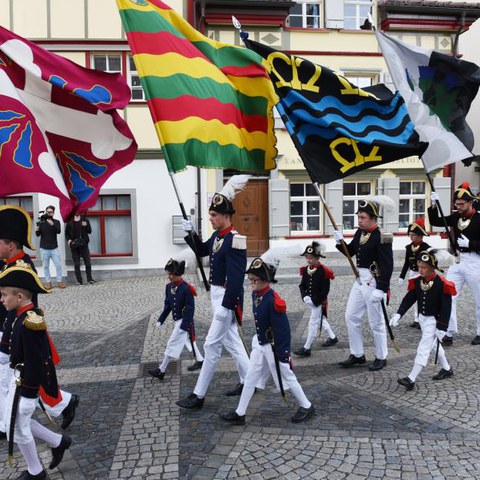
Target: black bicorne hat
463 192
418 227
175 267
315 249
428 256
262 270
369 207
22 277
221 204
16 224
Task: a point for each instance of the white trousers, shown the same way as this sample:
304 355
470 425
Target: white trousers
178 340
467 271
428 343
358 304
412 274
314 325
222 333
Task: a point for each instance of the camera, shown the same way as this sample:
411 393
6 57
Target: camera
42 216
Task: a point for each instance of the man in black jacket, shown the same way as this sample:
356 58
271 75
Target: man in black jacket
47 229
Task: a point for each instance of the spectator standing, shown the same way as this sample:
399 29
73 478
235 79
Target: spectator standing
48 228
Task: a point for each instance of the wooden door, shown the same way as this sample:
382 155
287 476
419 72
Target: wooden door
251 216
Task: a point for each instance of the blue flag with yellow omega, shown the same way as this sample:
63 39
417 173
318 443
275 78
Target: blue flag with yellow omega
337 128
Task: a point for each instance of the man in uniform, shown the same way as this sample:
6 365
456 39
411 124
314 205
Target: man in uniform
373 251
228 261
465 223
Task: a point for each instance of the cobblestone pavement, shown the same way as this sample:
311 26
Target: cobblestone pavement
366 426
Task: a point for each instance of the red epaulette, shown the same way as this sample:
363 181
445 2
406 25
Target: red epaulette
302 271
448 286
279 303
411 284
329 274
192 289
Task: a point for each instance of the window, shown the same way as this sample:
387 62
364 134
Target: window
360 81
355 13
304 15
412 202
111 221
118 63
352 193
304 208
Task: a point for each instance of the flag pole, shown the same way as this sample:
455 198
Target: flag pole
334 224
190 234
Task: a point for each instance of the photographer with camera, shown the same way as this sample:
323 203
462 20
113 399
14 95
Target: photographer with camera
47 228
76 233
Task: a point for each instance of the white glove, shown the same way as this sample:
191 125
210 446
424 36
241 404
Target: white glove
400 280
463 242
440 334
434 197
223 314
394 320
377 296
158 325
187 225
308 301
338 236
4 358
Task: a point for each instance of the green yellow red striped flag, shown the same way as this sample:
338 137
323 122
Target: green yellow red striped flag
211 102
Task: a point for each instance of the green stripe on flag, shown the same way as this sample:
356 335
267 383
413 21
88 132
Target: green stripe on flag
150 22
229 55
204 88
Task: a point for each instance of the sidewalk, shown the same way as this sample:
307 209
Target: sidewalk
366 426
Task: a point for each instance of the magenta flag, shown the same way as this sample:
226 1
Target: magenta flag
60 133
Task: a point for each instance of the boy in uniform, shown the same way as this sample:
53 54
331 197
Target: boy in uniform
314 288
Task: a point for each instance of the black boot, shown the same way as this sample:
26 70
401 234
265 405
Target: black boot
233 418
443 374
68 413
196 366
303 352
303 413
476 340
156 373
58 452
236 391
377 365
447 341
191 402
330 342
406 382
352 360
28 476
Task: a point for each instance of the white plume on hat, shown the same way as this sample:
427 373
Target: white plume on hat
234 185
444 259
383 201
273 255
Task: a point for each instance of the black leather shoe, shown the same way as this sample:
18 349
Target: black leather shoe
68 413
415 325
191 402
195 366
303 413
3 436
303 352
447 341
156 373
377 365
476 340
442 374
28 476
352 360
330 342
236 391
233 417
58 452
406 382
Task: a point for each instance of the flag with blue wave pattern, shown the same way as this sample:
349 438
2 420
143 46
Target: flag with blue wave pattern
337 128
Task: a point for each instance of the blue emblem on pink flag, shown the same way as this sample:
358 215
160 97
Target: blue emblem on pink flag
60 132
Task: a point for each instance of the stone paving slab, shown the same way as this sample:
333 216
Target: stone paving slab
366 426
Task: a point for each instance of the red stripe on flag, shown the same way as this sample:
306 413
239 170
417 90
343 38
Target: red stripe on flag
179 108
249 71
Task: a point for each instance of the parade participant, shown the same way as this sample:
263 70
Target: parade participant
416 232
15 232
48 229
374 259
433 294
314 288
179 300
228 260
32 359
270 345
465 223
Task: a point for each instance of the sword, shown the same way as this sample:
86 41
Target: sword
42 406
389 328
238 319
191 336
269 333
321 321
435 363
17 372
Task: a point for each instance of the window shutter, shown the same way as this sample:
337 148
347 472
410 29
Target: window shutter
333 14
334 199
279 206
391 188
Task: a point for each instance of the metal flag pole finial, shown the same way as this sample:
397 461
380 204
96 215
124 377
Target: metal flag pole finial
236 23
